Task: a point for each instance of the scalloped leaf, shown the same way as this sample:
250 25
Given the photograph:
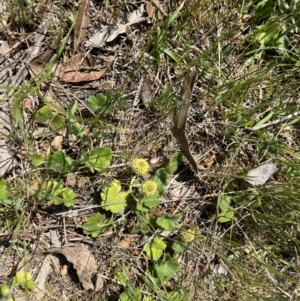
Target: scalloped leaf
98 159
155 248
168 268
59 161
112 198
95 225
168 221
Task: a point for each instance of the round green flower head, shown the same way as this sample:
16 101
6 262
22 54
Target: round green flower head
149 188
140 166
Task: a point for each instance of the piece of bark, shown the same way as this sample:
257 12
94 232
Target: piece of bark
181 114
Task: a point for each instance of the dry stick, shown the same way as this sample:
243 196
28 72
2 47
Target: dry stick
181 114
277 121
15 46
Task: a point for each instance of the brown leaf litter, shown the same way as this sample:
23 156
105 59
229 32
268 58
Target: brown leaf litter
72 72
83 261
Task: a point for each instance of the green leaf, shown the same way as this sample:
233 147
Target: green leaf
74 108
23 279
121 278
155 248
140 228
269 34
98 159
161 178
4 190
36 159
225 217
99 103
172 55
44 114
57 123
131 295
150 201
168 221
112 198
265 119
70 202
63 196
59 161
264 8
68 196
57 194
224 202
95 225
7 202
178 248
30 285
174 162
173 16
4 290
168 268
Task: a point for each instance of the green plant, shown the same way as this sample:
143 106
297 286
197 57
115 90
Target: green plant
140 199
226 212
23 279
56 193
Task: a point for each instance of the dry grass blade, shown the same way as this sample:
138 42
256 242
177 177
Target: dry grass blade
181 114
82 23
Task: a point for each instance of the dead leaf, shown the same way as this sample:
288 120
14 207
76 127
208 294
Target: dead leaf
35 186
109 33
181 114
136 15
57 142
72 73
27 104
208 162
150 9
64 270
83 262
106 35
261 174
82 23
77 77
81 183
37 64
158 6
146 92
75 62
99 283
127 241
71 180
